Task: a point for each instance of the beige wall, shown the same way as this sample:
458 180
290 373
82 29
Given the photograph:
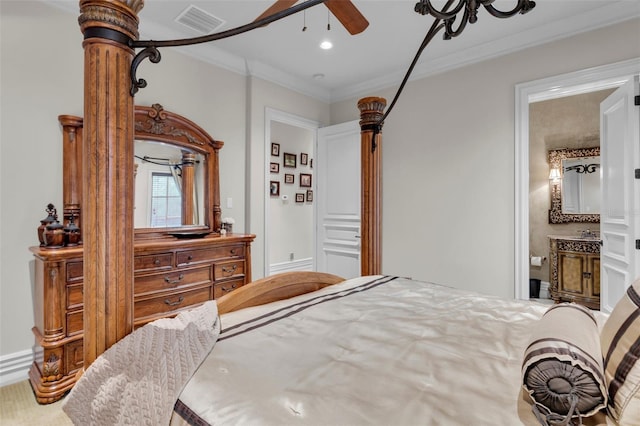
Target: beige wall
569 122
448 161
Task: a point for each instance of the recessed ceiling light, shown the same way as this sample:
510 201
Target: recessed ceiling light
326 45
318 76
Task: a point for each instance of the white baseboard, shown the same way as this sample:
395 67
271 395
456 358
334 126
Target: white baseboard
14 367
294 265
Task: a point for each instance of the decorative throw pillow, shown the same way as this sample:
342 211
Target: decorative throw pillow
562 368
620 340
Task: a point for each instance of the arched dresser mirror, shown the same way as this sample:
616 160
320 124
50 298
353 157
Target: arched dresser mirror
181 258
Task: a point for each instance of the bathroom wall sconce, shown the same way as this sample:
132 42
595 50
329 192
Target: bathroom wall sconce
554 175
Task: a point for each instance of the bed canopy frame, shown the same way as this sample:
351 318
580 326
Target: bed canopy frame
108 27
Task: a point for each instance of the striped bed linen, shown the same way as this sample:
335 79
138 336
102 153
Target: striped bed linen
371 350
620 339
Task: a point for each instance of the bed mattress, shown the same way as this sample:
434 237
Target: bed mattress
371 350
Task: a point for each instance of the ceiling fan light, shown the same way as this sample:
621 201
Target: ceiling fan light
326 45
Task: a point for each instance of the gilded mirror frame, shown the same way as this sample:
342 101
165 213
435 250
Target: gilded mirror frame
555 161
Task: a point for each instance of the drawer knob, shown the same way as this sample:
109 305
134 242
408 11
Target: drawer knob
156 262
189 258
230 270
228 289
233 252
177 302
172 282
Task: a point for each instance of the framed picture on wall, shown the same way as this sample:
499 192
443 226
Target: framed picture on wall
274 188
309 195
305 180
304 159
289 178
299 197
289 160
274 168
275 149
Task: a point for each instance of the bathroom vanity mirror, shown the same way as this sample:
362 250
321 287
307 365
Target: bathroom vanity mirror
575 194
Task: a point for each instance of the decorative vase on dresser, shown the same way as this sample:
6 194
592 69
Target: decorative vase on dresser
575 270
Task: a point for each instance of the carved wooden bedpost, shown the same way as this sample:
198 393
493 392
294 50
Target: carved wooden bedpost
188 183
371 111
107 211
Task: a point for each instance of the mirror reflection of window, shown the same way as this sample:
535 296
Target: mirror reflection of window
156 157
166 201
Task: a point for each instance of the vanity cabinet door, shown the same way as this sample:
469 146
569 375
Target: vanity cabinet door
572 270
594 268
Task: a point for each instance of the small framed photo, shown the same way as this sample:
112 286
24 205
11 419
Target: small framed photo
289 160
299 197
305 180
275 149
274 167
289 178
309 195
274 188
304 159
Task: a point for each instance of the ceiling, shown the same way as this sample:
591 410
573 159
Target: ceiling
376 58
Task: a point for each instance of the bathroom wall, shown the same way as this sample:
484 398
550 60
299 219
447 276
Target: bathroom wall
569 122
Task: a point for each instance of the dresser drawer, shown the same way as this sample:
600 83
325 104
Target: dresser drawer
220 289
223 270
74 323
74 271
73 356
170 280
190 257
75 295
152 261
172 302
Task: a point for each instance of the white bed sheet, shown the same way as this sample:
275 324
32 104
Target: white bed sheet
372 350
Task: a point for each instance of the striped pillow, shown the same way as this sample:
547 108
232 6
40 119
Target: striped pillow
562 368
620 340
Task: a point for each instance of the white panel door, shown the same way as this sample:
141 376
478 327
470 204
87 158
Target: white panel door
337 169
620 212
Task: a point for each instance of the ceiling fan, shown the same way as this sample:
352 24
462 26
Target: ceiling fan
348 15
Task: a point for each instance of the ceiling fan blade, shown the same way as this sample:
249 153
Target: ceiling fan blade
348 15
278 6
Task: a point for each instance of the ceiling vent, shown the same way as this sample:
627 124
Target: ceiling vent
199 20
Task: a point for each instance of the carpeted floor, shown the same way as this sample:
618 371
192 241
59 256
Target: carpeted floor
18 406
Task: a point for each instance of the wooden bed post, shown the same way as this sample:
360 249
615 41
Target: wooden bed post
107 211
371 111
